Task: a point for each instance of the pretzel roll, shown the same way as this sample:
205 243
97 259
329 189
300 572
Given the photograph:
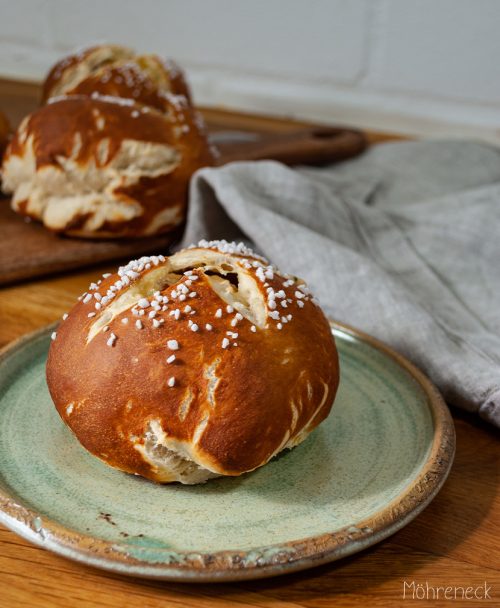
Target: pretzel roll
206 363
105 167
114 70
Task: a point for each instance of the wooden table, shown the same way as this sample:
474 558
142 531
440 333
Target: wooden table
455 542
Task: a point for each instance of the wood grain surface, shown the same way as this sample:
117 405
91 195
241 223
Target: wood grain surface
455 542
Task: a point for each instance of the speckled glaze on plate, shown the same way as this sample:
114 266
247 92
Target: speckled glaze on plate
378 460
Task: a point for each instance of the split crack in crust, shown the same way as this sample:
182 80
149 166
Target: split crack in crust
245 297
167 457
72 75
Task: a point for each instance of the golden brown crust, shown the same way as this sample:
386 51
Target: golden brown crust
126 81
114 70
75 137
238 398
59 72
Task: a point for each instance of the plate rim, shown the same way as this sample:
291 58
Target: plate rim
258 562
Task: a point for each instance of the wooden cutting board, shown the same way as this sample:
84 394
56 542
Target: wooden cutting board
28 250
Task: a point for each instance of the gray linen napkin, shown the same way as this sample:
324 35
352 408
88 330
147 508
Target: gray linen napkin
403 243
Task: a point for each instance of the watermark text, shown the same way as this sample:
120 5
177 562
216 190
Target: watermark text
413 590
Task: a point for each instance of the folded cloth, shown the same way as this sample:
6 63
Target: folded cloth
402 243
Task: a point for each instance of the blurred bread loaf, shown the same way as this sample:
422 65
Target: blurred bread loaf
116 71
111 152
105 167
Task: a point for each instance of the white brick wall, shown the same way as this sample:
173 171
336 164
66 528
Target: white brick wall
444 48
256 36
429 67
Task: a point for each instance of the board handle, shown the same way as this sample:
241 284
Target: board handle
310 146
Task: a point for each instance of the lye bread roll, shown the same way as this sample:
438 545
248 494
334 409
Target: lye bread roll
111 153
117 71
206 363
105 166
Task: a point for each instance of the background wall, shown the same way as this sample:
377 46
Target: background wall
429 67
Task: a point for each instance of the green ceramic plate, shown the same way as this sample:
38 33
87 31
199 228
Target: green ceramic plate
377 461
